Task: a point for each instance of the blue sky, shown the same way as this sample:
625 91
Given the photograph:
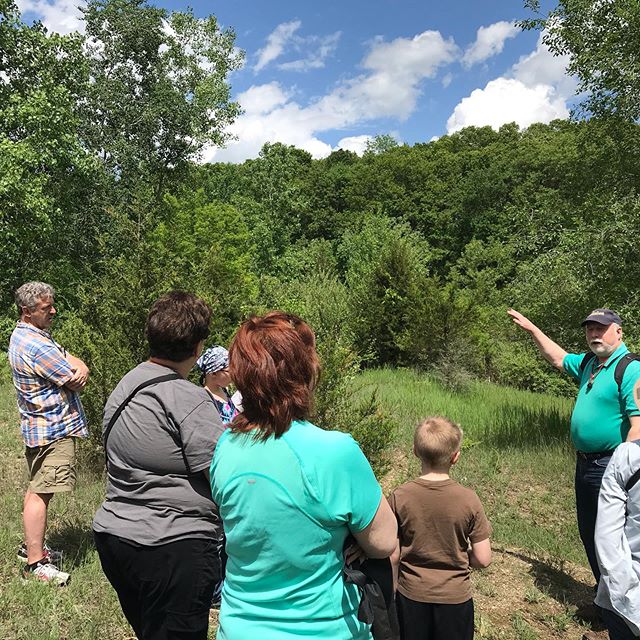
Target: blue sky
330 75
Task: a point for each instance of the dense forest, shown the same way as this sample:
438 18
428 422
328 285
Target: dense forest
406 256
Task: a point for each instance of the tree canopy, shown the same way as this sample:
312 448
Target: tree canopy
602 40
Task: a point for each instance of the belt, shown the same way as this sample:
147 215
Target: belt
596 455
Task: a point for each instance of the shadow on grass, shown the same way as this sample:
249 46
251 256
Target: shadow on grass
553 580
75 540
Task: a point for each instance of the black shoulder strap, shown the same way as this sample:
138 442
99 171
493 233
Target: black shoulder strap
587 358
621 367
121 408
633 480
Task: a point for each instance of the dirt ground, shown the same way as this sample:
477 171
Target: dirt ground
523 597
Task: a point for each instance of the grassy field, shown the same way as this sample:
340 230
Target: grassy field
516 455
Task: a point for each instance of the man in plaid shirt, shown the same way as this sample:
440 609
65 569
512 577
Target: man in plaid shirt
47 380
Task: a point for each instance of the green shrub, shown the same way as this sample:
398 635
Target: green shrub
323 302
520 365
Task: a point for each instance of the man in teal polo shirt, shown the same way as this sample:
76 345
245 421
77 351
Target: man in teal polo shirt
604 415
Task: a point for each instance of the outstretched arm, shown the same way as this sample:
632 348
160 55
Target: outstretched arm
80 375
551 351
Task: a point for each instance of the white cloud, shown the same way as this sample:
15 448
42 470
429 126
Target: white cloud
542 67
357 144
536 89
276 43
392 85
389 87
446 80
263 98
62 16
489 42
507 100
418 57
321 49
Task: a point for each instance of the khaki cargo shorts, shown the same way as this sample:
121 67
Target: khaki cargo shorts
52 467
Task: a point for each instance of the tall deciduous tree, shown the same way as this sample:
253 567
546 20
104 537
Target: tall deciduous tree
602 39
44 167
158 90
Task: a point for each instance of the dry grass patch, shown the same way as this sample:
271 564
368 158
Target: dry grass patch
521 596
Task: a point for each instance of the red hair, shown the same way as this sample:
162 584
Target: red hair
274 364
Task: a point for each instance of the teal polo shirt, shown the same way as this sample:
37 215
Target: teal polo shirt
287 505
600 418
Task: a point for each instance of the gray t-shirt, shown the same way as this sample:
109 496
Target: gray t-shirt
151 496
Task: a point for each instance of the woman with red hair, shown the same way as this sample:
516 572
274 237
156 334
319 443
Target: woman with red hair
289 493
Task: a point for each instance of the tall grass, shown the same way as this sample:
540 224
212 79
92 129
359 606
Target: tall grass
489 414
516 454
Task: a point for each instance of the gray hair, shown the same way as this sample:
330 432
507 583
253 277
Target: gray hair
30 293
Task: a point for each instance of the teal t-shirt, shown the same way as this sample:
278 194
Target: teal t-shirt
287 505
600 418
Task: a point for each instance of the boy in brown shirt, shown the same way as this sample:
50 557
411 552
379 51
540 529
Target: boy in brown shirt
442 532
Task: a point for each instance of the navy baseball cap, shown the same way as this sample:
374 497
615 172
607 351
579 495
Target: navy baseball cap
602 316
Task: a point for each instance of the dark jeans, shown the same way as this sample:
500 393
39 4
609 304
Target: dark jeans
430 621
165 591
618 630
588 480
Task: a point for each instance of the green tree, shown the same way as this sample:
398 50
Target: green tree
158 92
602 40
386 266
380 144
205 247
274 188
46 174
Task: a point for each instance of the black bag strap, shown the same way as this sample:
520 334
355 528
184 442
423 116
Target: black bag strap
633 480
621 367
586 359
121 408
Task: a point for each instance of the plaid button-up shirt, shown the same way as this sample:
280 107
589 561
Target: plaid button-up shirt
48 410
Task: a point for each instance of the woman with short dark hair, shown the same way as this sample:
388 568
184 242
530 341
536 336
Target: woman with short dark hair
289 493
158 532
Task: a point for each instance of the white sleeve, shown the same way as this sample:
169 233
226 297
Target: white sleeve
619 587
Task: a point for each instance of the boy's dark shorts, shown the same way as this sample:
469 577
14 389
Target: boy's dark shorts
52 467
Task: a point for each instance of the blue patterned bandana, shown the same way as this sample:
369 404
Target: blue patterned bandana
213 359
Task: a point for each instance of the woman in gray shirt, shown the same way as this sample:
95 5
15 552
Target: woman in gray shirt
158 531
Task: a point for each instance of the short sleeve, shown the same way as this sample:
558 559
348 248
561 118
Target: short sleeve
49 363
571 364
480 526
631 376
349 487
392 503
200 431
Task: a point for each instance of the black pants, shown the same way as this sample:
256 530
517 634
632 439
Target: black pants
616 626
587 483
165 591
429 621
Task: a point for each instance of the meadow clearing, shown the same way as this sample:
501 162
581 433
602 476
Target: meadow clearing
516 455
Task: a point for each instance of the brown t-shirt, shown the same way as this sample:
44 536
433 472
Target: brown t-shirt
436 521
